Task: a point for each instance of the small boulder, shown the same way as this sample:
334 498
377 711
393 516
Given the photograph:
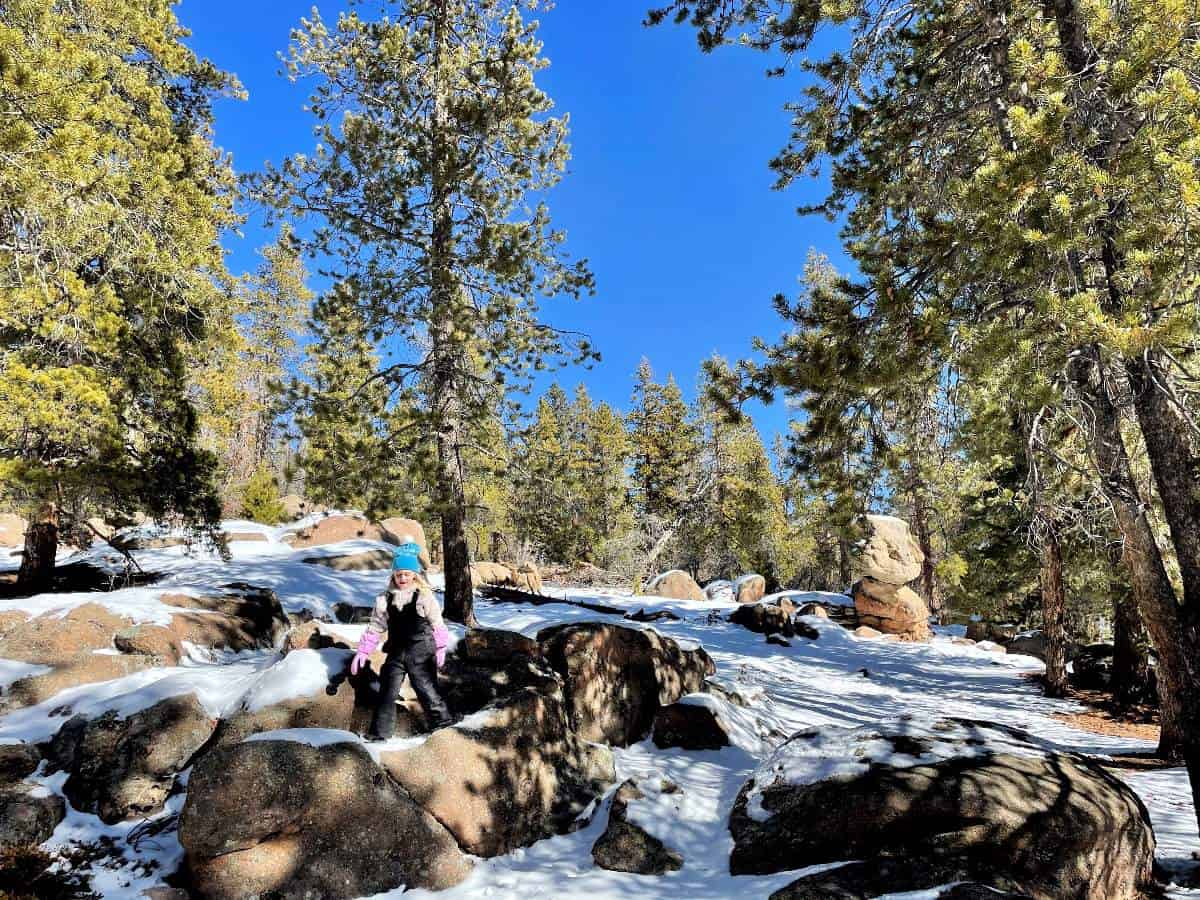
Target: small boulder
124 768
975 796
677 585
867 632
334 530
888 553
626 847
507 776
750 588
813 609
247 537
892 610
617 677
327 822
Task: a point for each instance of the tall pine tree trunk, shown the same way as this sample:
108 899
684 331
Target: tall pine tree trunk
1175 462
447 357
1152 588
924 534
1054 607
41 548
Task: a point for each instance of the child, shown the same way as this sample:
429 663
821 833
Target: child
416 644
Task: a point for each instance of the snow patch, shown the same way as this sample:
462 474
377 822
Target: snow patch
12 670
299 674
313 737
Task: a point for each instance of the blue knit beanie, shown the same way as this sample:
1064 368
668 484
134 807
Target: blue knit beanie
407 556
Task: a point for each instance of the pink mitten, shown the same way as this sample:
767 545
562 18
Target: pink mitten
441 640
367 645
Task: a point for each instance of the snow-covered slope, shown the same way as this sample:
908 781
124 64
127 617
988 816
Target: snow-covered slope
836 680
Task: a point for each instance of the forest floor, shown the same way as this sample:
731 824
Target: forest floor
836 680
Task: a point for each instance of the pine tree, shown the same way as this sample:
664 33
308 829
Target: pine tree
663 442
433 141
112 203
260 498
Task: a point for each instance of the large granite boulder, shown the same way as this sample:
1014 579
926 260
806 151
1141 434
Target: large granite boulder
889 553
892 610
507 776
750 588
245 617
626 846
617 677
284 819
675 584
981 798
123 768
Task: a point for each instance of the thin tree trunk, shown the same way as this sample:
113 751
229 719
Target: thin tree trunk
41 548
1054 607
447 354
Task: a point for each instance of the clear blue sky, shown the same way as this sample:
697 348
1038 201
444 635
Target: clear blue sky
668 193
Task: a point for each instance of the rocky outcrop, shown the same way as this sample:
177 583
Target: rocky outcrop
511 774
750 588
892 610
67 644
627 847
354 560
245 618
888 553
677 585
976 797
334 530
617 677
326 822
886 876
124 768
